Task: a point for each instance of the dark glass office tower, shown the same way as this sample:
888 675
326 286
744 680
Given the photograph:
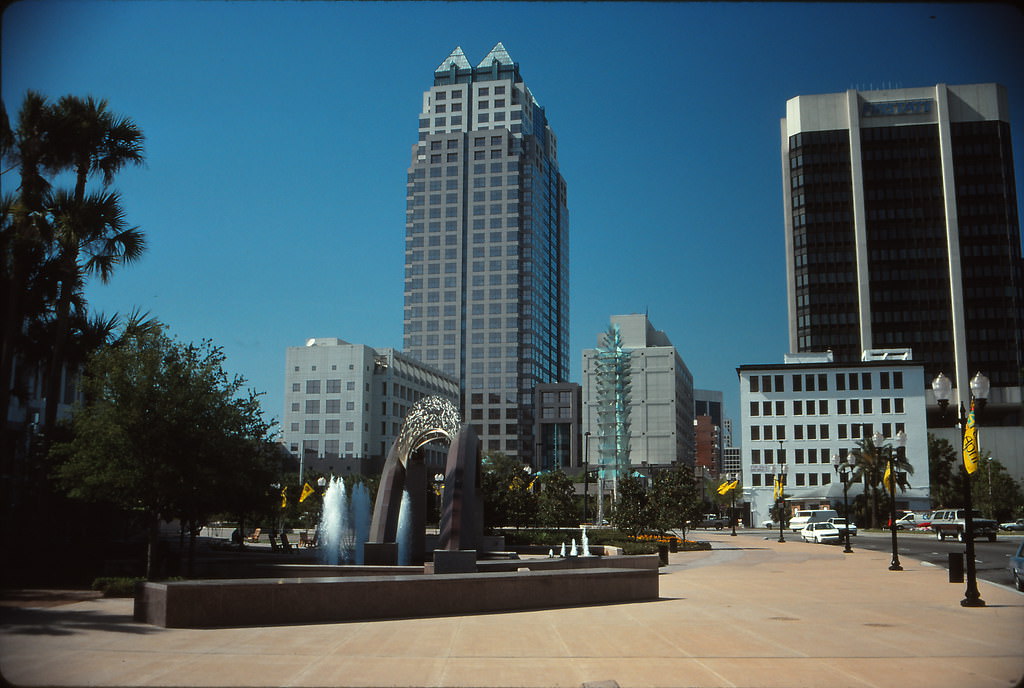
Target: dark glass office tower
902 231
487 246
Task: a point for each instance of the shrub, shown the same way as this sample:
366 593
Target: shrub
116 586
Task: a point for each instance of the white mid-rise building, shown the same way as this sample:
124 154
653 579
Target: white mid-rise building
344 403
803 412
659 404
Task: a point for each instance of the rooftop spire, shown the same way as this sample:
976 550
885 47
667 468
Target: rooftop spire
498 53
457 58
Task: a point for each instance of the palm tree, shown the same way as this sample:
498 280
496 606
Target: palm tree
86 138
869 467
25 239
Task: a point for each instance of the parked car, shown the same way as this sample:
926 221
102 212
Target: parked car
1013 525
840 524
713 521
911 520
950 522
1017 567
820 532
805 516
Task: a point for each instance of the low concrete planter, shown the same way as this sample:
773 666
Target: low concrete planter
263 602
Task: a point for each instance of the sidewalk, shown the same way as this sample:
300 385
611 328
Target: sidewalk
753 612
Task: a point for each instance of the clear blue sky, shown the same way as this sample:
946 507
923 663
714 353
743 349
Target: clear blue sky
279 133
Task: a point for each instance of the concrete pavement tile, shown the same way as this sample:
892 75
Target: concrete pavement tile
773 672
501 672
225 669
650 672
508 640
340 671
934 672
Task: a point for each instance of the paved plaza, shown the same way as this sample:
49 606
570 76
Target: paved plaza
752 612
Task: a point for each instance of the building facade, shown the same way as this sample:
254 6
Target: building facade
803 412
487 246
902 231
709 427
656 426
345 403
557 426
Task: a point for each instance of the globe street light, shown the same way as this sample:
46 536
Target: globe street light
845 471
890 455
943 389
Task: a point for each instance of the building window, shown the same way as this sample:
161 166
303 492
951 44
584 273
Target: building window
798 405
312 406
312 386
312 427
754 386
333 386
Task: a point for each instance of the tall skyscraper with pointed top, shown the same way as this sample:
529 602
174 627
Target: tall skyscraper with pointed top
487 246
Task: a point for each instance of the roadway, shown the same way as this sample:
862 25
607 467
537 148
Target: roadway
991 558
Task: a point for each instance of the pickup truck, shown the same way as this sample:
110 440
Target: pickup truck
713 521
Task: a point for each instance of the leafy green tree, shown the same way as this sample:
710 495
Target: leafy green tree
945 484
557 500
676 500
632 512
994 491
507 492
164 432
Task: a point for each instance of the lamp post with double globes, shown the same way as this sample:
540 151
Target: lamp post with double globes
733 477
943 389
845 471
781 504
890 453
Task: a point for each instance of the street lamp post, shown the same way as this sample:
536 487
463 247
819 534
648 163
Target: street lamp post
732 477
943 389
845 471
586 475
901 442
781 504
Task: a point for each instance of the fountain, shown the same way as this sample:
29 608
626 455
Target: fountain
586 544
361 511
334 523
404 535
451 584
344 523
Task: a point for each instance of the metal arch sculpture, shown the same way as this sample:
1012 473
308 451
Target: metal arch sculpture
431 419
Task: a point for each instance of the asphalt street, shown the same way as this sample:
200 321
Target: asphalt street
991 558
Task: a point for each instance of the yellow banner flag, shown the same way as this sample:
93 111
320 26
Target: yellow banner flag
888 479
778 488
971 443
723 488
734 484
306 491
284 497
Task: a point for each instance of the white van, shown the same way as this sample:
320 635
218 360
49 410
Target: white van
805 516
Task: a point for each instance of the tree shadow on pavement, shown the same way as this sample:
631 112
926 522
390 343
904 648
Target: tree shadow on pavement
30 621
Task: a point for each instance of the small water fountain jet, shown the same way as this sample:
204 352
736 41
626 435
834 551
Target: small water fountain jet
404 535
562 553
334 522
586 544
361 509
573 552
